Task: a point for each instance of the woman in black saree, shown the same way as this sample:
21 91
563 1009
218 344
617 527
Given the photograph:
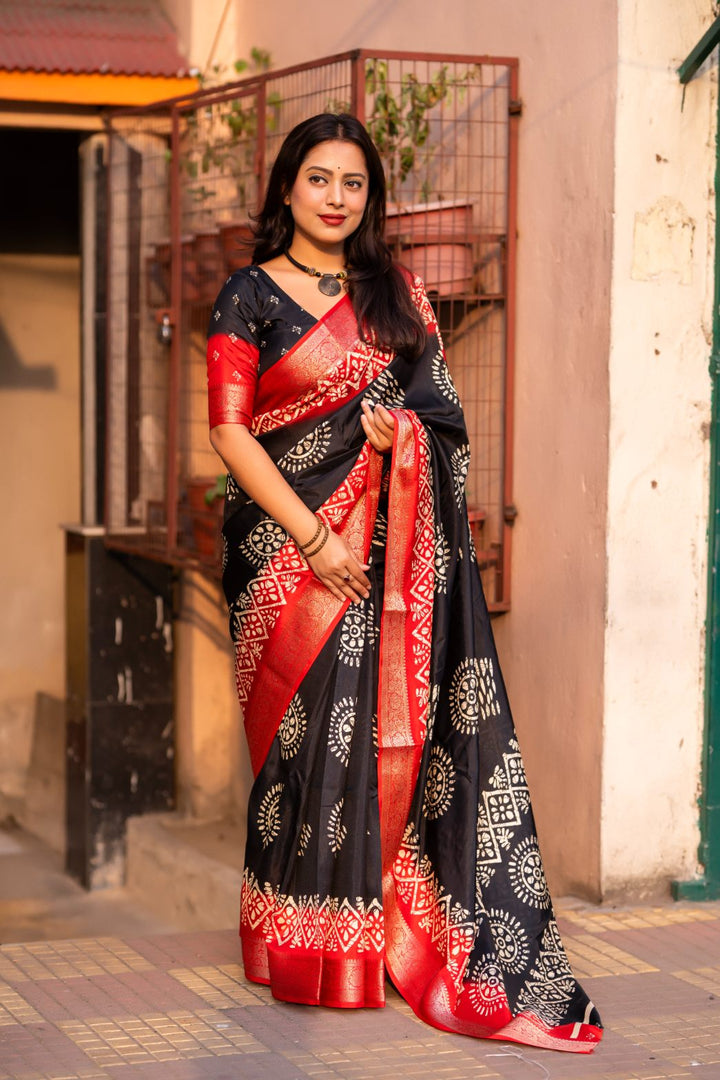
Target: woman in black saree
389 824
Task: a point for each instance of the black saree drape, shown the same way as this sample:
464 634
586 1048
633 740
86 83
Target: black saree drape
389 823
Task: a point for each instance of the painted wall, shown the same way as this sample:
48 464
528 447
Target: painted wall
39 478
552 642
660 403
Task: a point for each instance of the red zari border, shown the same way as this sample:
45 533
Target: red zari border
311 950
291 614
428 945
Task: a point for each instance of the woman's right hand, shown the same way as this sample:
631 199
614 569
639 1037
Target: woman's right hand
338 569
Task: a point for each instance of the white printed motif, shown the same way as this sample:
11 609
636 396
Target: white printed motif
342 723
550 985
269 818
336 830
460 464
527 874
385 390
442 559
486 988
357 626
292 728
304 839
263 541
443 379
473 695
310 450
511 941
307 922
440 783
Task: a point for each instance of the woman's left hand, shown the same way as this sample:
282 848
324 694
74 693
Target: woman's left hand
378 425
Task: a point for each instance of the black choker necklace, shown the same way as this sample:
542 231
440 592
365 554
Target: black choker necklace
329 284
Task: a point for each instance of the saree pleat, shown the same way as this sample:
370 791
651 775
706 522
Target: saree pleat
389 824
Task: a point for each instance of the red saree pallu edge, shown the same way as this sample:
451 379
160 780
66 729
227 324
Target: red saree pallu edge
426 954
406 630
296 621
323 371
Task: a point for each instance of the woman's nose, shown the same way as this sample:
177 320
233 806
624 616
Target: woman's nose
335 193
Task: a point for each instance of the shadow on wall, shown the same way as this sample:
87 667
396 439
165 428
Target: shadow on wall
15 375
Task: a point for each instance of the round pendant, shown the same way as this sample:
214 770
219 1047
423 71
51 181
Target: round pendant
329 285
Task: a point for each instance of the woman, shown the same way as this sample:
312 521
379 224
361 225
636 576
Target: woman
389 824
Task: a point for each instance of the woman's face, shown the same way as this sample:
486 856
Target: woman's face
328 198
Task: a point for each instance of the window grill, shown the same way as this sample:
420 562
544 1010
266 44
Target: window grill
183 179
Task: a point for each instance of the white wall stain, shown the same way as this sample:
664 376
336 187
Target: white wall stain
663 242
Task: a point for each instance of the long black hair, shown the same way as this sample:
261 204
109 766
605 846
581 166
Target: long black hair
377 287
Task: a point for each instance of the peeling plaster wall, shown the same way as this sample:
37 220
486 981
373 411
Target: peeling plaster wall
40 481
660 407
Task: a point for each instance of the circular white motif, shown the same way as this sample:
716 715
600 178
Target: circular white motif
440 783
486 988
443 379
309 451
472 695
292 728
263 541
268 819
527 875
511 943
352 636
342 722
304 839
460 464
336 830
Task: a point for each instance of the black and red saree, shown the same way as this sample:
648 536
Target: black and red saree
389 824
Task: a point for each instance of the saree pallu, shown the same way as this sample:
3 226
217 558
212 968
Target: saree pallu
389 824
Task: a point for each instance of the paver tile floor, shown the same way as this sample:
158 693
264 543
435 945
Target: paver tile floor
177 1007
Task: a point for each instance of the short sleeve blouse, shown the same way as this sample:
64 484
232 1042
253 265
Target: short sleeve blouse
253 323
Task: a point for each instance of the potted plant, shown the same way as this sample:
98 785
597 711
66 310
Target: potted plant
431 236
217 168
206 502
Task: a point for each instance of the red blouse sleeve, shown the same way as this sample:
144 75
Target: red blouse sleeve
232 366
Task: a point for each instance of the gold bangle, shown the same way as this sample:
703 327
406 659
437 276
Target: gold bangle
310 543
321 545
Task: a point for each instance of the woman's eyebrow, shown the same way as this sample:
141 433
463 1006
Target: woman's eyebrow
330 172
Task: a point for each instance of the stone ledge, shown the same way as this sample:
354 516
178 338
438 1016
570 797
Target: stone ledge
172 876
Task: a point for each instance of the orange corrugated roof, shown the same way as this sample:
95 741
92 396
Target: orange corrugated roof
115 37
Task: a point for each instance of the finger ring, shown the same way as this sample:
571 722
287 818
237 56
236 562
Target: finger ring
346 577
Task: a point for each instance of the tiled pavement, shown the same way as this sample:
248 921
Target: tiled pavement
176 1007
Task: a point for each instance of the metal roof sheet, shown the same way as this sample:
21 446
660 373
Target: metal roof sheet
117 37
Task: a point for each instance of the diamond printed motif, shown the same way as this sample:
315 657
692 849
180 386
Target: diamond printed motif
306 922
448 925
258 609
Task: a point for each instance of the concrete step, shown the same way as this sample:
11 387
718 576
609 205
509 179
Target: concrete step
187 872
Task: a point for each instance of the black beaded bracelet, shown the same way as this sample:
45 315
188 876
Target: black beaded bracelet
309 544
321 545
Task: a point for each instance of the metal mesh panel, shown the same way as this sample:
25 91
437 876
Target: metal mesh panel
183 181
